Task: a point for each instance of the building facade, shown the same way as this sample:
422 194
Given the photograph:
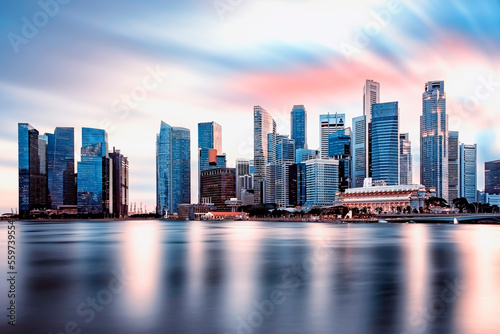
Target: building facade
285 157
371 96
434 139
298 122
120 184
264 125
322 181
453 165
210 154
405 159
218 186
329 124
359 151
492 177
468 172
385 142
173 168
339 147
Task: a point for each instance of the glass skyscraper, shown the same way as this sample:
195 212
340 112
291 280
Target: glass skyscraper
209 149
434 139
339 147
453 165
359 151
328 124
120 184
492 177
298 122
385 142
468 172
173 168
264 125
61 167
371 96
405 162
285 157
32 155
322 181
94 189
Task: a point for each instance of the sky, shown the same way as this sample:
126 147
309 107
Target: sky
127 65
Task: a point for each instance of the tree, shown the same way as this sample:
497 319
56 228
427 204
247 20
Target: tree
461 203
436 202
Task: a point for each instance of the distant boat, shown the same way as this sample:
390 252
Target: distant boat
382 221
455 220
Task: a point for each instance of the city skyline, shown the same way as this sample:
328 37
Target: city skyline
304 67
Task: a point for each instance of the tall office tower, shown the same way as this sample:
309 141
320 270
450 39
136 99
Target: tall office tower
210 154
359 151
264 125
303 154
120 184
95 181
242 168
292 185
405 162
468 172
371 96
173 168
453 165
218 186
244 187
61 167
322 181
285 157
298 122
339 146
328 124
434 139
33 192
385 143
492 177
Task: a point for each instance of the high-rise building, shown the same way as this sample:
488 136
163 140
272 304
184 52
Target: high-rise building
210 154
359 151
61 167
298 122
492 177
173 168
329 124
297 176
120 184
405 160
385 142
264 125
468 172
303 154
434 139
33 188
453 165
242 169
339 147
285 157
95 182
371 96
322 181
218 186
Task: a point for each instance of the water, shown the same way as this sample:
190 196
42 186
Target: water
253 277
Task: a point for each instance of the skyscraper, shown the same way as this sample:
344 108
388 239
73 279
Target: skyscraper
453 165
492 177
61 167
434 139
210 154
218 186
322 181
285 157
33 189
95 184
328 124
385 142
371 96
173 168
405 160
359 151
120 184
298 122
264 125
468 172
242 170
303 154
340 149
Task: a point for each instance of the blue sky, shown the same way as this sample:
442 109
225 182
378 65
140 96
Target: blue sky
215 60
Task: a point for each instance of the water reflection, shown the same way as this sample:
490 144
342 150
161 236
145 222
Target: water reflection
258 277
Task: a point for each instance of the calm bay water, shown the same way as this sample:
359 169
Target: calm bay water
253 277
